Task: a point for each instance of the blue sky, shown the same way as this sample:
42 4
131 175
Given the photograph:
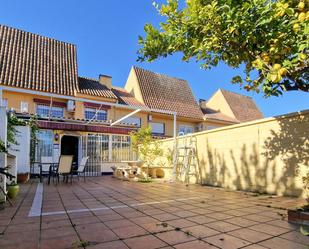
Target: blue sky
106 31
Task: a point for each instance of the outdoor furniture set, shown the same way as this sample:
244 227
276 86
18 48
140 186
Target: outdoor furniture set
64 167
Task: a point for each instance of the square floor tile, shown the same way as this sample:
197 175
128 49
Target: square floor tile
279 243
175 237
226 241
181 223
250 235
148 241
129 231
239 221
196 244
266 228
201 219
222 226
201 231
109 245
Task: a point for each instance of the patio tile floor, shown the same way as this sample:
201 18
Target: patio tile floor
107 213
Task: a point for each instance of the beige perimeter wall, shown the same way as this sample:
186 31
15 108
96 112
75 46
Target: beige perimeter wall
263 155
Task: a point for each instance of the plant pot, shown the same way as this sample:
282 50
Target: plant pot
12 191
298 217
23 177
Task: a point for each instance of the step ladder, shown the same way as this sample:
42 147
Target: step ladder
185 158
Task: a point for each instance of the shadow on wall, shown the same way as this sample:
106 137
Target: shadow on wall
268 163
291 145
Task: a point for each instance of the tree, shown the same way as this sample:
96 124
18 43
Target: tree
268 37
147 148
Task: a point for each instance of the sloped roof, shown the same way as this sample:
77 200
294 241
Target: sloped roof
36 62
242 106
94 87
126 98
211 114
167 93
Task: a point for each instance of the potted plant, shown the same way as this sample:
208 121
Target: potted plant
146 148
13 189
301 215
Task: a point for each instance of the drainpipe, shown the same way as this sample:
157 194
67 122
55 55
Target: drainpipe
175 149
175 125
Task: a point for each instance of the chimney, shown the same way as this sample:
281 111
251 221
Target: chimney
202 103
105 80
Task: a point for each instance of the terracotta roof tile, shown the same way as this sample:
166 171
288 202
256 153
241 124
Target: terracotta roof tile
126 98
167 93
242 106
94 87
36 62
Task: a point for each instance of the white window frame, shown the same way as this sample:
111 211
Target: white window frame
24 107
96 112
186 129
47 107
154 128
133 120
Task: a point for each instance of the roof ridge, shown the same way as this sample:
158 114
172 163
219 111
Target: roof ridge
162 74
242 95
88 78
41 36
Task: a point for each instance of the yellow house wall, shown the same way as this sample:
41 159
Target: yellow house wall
257 156
15 99
132 86
218 102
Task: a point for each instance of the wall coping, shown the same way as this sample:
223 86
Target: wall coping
250 123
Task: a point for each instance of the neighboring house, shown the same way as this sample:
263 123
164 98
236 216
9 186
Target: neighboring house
163 92
39 76
33 67
230 107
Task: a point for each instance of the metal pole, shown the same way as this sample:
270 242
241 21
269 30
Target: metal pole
126 116
175 125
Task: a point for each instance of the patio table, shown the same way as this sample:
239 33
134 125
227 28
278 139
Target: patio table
52 165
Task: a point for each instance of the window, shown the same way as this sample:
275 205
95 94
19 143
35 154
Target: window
44 144
5 102
121 148
94 114
133 120
43 111
23 106
186 129
157 128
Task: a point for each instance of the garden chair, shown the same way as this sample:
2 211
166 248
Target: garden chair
46 162
64 168
81 169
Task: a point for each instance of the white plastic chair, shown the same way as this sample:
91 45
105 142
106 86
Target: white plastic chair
81 168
